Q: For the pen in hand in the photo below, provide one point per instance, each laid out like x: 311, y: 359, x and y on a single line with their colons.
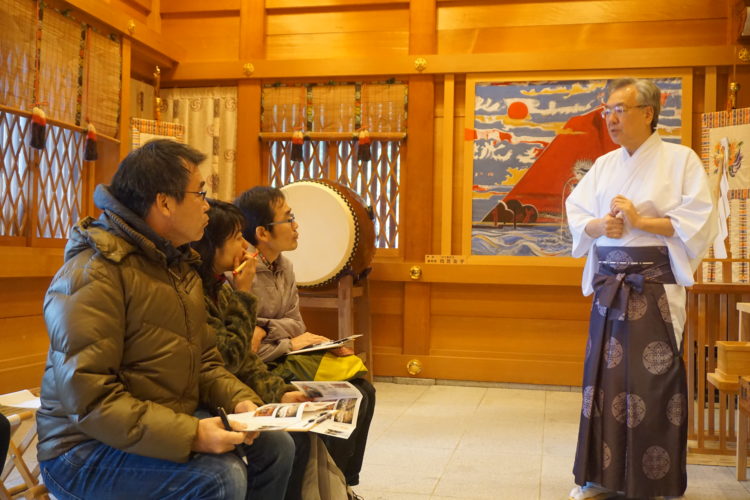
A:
x: 236, y: 271
x: 224, y: 420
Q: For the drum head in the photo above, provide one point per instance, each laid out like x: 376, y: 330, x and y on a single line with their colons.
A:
x: 327, y: 232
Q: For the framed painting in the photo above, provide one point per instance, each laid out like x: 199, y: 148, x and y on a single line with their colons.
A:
x: 725, y: 137
x: 529, y: 142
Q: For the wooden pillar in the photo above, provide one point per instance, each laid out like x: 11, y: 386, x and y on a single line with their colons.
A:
x: 418, y: 176
x: 252, y: 48
x: 125, y: 111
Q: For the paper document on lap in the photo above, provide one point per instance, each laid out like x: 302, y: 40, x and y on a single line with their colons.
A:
x: 333, y: 344
x: 332, y: 411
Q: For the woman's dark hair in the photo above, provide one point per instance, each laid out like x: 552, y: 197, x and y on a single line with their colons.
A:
x: 159, y: 166
x: 224, y: 219
x: 257, y: 206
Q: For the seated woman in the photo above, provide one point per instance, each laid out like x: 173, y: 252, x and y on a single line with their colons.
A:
x: 231, y: 313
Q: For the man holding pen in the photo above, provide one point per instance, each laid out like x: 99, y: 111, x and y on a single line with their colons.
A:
x: 131, y: 358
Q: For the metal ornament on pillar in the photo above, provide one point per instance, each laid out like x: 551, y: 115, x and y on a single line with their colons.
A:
x: 414, y: 367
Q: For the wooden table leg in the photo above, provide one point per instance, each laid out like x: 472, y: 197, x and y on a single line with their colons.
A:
x: 741, y: 445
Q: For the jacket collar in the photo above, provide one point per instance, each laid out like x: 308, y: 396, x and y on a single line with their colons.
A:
x: 132, y: 231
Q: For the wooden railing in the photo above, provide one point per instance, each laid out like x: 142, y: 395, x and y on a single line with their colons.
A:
x: 712, y: 316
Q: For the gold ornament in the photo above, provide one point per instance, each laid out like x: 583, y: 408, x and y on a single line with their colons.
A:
x: 414, y: 367
x: 420, y: 64
x: 415, y: 272
x: 248, y: 69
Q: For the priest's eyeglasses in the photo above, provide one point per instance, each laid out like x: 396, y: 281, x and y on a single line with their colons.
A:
x: 202, y: 194
x: 619, y: 109
x: 285, y: 221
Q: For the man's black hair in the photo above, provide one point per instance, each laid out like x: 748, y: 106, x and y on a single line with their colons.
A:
x: 257, y: 206
x: 159, y: 166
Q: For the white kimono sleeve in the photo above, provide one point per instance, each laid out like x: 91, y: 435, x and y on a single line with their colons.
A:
x: 694, y: 219
x: 581, y: 208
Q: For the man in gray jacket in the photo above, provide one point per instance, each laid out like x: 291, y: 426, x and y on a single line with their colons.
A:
x: 131, y: 357
x: 271, y: 228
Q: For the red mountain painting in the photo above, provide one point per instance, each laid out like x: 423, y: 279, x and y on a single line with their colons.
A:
x: 543, y: 185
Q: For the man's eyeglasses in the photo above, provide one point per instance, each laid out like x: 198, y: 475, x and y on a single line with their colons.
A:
x: 285, y: 221
x: 202, y: 194
x: 619, y: 109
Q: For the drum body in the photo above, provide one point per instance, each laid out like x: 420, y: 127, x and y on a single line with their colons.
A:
x: 336, y: 232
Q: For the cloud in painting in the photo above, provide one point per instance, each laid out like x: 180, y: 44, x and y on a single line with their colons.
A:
x: 513, y: 175
x: 529, y: 156
x: 489, y: 150
x: 574, y: 89
x: 487, y: 104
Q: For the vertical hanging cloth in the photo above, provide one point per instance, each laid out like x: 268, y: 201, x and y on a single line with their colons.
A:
x: 89, y: 152
x: 363, y: 148
x: 298, y: 139
x: 38, y: 128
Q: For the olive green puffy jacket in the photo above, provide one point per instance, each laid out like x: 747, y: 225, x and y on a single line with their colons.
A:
x: 130, y: 357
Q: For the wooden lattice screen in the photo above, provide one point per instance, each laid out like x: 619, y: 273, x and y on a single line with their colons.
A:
x: 15, y: 175
x: 42, y: 193
x: 53, y: 60
x: 331, y: 116
x: 377, y: 181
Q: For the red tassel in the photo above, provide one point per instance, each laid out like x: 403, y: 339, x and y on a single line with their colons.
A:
x: 90, y: 153
x: 298, y: 139
x: 38, y: 128
x: 363, y: 148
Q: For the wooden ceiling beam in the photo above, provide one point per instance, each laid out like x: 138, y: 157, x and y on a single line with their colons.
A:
x: 667, y: 57
x: 136, y: 30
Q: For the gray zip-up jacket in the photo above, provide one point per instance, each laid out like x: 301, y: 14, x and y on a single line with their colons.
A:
x: 278, y: 308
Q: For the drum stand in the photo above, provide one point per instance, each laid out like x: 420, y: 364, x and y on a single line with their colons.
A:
x: 352, y: 303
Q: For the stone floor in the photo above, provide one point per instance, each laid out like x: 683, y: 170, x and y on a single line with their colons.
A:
x: 431, y: 441
x: 448, y: 442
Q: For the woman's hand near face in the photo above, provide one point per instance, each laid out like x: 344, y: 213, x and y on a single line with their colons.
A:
x: 243, y: 279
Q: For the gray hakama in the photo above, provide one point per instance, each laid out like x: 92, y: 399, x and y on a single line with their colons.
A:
x: 633, y: 431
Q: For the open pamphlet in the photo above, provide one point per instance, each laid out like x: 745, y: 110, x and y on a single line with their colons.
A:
x: 331, y: 344
x: 332, y: 411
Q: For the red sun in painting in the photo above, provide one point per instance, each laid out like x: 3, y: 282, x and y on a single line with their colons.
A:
x: 518, y: 111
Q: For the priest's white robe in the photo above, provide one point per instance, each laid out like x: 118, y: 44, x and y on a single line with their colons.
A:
x: 662, y: 180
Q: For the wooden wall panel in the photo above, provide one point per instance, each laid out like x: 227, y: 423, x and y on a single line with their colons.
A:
x: 485, y: 14
x: 338, y: 21
x: 583, y: 36
x: 172, y: 7
x: 337, y: 45
x: 205, y: 38
x: 22, y: 296
x: 510, y: 301
x: 23, y: 335
x: 361, y: 31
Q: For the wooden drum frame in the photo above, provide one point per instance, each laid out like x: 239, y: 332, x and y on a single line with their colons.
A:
x: 336, y: 232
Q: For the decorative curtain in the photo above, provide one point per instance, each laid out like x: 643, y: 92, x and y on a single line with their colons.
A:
x: 60, y: 67
x: 333, y: 108
x: 340, y: 107
x: 101, y: 103
x: 209, y: 116
x: 331, y: 115
x: 17, y: 52
x: 384, y: 107
x: 283, y: 108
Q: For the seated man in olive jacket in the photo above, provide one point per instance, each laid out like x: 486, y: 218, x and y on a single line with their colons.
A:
x: 131, y: 358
